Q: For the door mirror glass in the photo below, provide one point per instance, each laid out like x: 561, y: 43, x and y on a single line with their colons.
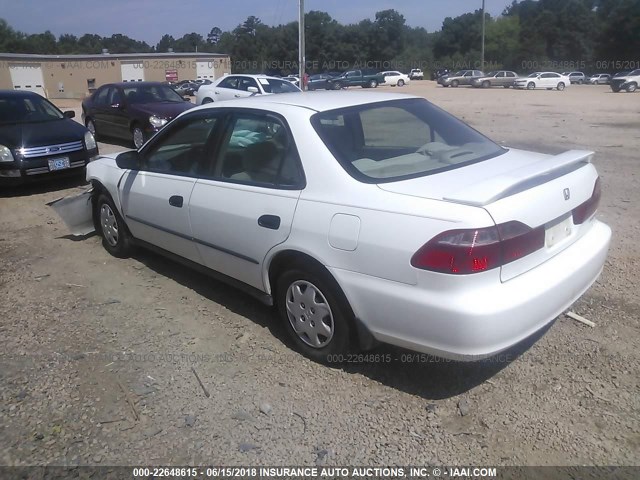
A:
x: 128, y: 160
x: 253, y: 89
x: 69, y: 114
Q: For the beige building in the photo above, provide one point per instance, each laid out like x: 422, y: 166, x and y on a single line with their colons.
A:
x: 76, y: 76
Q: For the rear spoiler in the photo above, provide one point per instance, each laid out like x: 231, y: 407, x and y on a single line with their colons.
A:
x: 521, y: 179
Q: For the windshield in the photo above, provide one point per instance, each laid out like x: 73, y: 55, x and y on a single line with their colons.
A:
x: 400, y: 139
x: 635, y: 73
x: 270, y: 85
x: 533, y: 75
x: 151, y: 94
x: 27, y: 110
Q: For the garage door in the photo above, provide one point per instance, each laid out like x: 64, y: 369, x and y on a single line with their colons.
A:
x: 132, y: 71
x: 205, y: 70
x: 27, y: 76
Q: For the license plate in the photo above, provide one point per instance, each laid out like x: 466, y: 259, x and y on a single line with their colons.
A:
x: 554, y: 234
x: 59, y: 163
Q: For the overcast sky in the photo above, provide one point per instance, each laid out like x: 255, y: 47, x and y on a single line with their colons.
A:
x: 148, y: 20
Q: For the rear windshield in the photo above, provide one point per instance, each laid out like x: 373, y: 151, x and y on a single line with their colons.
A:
x: 400, y: 139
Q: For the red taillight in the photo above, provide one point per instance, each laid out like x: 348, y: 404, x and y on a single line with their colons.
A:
x: 583, y: 212
x: 478, y: 250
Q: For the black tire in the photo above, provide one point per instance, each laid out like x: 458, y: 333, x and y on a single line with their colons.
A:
x: 116, y: 238
x: 561, y: 86
x: 91, y: 126
x: 615, y: 88
x: 337, y: 86
x: 531, y: 86
x: 206, y: 100
x: 455, y: 84
x: 632, y: 87
x: 400, y: 83
x: 373, y: 83
x: 338, y: 321
x: 506, y: 86
x: 486, y: 84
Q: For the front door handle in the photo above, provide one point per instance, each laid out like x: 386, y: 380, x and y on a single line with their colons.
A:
x: 176, y: 201
x: 271, y: 222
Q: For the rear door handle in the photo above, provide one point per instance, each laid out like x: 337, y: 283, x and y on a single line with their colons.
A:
x: 176, y: 201
x: 271, y: 222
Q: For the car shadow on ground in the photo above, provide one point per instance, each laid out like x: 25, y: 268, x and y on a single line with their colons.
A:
x: 44, y: 186
x: 422, y: 375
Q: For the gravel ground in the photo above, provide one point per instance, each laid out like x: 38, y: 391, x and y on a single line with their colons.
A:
x: 98, y: 354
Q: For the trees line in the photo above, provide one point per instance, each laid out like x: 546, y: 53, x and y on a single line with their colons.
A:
x: 602, y: 35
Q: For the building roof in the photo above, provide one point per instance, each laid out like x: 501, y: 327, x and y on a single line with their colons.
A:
x: 105, y: 56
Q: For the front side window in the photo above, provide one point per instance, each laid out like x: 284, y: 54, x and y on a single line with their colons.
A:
x: 138, y: 94
x: 101, y: 96
x: 259, y: 150
x: 390, y: 141
x: 183, y: 149
x: 271, y: 85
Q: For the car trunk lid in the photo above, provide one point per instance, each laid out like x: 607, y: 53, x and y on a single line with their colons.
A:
x: 534, y: 189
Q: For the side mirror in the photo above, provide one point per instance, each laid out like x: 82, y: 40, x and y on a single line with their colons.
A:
x: 69, y: 114
x: 129, y: 160
x: 253, y: 90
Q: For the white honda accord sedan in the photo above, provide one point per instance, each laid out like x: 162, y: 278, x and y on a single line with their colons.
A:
x: 363, y: 217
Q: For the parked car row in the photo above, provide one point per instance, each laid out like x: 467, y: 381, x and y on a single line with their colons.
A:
x: 627, y: 81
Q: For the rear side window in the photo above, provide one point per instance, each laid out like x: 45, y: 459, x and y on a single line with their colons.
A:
x: 400, y: 139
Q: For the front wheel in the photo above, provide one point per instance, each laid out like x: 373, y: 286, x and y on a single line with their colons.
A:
x: 632, y: 87
x: 138, y: 136
x: 91, y: 126
x: 401, y: 83
x: 455, y: 84
x: 314, y: 314
x: 561, y: 86
x: 337, y: 86
x: 486, y: 84
x: 531, y: 86
x: 506, y: 86
x: 116, y: 239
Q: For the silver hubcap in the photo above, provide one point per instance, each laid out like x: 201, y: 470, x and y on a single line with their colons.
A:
x: 109, y: 225
x: 309, y: 314
x: 138, y: 138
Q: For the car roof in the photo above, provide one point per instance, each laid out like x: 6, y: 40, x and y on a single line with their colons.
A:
x: 255, y: 76
x: 316, y: 101
x: 137, y: 84
x: 18, y: 94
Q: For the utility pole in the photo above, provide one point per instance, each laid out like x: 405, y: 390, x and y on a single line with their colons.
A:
x: 301, y: 53
x: 482, y: 59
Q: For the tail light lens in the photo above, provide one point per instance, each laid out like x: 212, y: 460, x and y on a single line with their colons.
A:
x: 583, y: 212
x: 477, y: 250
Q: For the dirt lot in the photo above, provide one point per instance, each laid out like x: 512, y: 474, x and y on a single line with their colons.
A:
x: 97, y: 353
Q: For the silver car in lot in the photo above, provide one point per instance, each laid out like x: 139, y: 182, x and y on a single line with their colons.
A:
x: 463, y: 77
x: 499, y: 78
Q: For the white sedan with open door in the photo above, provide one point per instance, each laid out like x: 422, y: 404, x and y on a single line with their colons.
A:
x: 363, y: 217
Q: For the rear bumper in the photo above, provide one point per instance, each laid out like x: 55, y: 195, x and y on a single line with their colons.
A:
x: 474, y: 318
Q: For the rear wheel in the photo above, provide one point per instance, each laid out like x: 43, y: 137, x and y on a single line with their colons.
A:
x: 206, y: 100
x: 531, y: 86
x: 486, y: 84
x: 506, y: 86
x: 561, y: 86
x: 315, y: 316
x: 373, y: 83
x: 116, y: 239
x: 455, y: 83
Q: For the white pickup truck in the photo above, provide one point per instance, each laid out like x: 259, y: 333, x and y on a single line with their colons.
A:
x: 416, y: 74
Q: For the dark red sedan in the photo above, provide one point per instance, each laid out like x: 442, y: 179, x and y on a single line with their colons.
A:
x: 132, y: 110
